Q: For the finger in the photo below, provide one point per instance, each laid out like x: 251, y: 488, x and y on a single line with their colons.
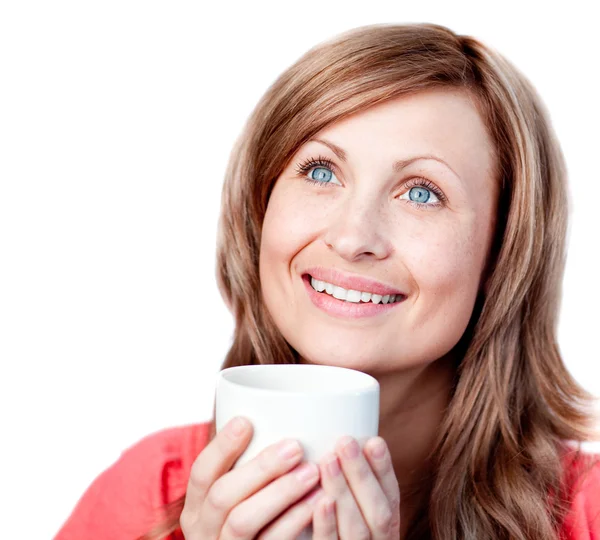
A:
x: 350, y: 522
x: 251, y: 515
x: 214, y: 461
x: 378, y: 456
x: 293, y: 521
x: 324, y: 520
x: 366, y: 488
x: 239, y: 484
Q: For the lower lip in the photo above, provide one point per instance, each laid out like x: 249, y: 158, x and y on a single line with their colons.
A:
x: 341, y: 308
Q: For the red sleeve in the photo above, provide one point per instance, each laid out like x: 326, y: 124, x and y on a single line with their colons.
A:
x: 127, y: 499
x: 583, y: 520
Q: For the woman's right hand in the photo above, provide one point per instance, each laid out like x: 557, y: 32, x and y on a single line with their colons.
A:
x: 237, y: 504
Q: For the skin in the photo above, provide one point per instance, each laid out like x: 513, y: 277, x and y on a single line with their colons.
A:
x: 363, y: 223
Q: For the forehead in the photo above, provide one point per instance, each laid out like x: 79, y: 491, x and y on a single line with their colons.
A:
x: 444, y: 122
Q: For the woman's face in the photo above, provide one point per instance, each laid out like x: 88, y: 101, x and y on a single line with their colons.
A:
x: 377, y: 215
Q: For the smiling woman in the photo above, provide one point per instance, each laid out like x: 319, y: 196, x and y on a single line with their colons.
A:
x: 396, y: 204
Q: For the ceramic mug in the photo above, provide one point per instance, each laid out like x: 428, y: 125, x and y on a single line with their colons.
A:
x: 315, y: 404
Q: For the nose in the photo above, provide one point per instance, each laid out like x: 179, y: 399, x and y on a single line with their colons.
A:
x: 358, y: 230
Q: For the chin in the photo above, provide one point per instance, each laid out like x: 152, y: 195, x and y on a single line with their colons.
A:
x: 338, y: 358
x: 373, y: 361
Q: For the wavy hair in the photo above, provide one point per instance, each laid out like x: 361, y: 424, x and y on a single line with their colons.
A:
x: 515, y: 408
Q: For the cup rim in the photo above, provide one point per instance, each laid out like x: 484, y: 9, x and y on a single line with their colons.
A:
x: 370, y: 383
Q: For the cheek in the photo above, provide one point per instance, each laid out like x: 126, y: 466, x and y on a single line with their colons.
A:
x: 278, y: 232
x: 446, y: 263
x: 443, y: 258
x: 290, y: 223
x: 285, y: 231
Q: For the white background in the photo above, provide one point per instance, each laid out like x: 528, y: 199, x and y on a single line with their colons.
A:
x: 116, y: 122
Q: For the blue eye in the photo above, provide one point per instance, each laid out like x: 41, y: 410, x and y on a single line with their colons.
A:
x: 323, y: 174
x: 318, y: 171
x: 419, y: 194
x: 423, y: 193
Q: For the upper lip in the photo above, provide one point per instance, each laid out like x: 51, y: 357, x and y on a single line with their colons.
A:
x: 351, y: 281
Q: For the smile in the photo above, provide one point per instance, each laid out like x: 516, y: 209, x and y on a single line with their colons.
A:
x: 352, y: 295
x: 347, y: 307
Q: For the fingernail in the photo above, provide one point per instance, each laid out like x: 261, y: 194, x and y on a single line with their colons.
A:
x: 289, y: 449
x: 307, y: 472
x: 237, y: 426
x: 351, y: 449
x: 332, y: 466
x: 378, y: 449
x: 315, y: 496
x: 328, y: 506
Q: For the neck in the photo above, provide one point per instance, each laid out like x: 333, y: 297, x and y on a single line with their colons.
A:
x: 412, y: 405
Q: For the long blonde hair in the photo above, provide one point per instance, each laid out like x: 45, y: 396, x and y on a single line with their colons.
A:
x: 514, y: 408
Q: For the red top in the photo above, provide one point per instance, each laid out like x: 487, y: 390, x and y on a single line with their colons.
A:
x: 126, y: 500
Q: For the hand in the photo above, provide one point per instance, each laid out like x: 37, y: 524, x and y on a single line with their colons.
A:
x: 362, y: 497
x: 224, y: 504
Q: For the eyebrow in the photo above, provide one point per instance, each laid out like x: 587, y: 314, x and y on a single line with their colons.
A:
x: 397, y: 166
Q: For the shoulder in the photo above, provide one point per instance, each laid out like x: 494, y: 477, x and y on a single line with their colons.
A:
x: 172, y: 446
x: 165, y: 458
x: 130, y: 495
x: 582, y: 474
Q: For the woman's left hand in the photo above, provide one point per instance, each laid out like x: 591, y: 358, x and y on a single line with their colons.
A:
x: 362, y: 497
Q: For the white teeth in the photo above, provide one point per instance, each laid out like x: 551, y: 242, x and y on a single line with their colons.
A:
x: 351, y: 295
x: 317, y: 285
x: 339, y: 293
x: 354, y: 296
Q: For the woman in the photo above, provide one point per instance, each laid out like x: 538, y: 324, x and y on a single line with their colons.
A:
x: 409, y: 165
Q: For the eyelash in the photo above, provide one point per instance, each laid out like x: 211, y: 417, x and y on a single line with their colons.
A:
x: 305, y: 167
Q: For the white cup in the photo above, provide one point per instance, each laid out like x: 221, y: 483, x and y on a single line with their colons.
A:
x: 311, y: 403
